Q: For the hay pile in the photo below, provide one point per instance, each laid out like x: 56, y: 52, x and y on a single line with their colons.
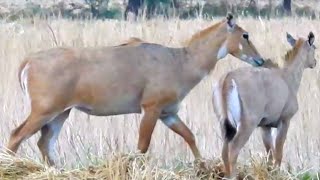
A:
x: 132, y: 166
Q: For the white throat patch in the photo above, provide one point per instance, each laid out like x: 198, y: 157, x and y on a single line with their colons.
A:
x: 240, y: 47
x: 223, y: 51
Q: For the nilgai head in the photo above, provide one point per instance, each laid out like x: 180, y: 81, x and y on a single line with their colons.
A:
x: 305, y: 46
x: 238, y: 44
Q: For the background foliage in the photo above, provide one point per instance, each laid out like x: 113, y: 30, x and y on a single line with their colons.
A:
x: 103, y: 9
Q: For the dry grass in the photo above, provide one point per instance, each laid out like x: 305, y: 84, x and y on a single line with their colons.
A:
x: 88, y: 140
x: 133, y: 166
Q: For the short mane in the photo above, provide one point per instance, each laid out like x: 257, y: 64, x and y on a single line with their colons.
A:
x: 132, y: 41
x: 291, y: 54
x: 204, y: 33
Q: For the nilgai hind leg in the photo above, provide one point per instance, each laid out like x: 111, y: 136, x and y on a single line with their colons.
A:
x: 238, y: 141
x: 174, y: 122
x: 266, y: 133
x: 49, y: 136
x: 280, y: 139
x: 30, y: 126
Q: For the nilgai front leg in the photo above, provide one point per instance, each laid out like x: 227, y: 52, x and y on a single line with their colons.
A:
x: 152, y: 104
x: 148, y: 122
x: 174, y: 122
x: 244, y: 131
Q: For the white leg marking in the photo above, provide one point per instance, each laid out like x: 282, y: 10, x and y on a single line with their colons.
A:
x: 24, y: 80
x: 234, y: 106
x: 56, y: 128
x: 169, y: 121
x: 223, y: 51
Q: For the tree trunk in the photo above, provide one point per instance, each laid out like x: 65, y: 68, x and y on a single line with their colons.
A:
x: 287, y: 6
x: 94, y: 11
x: 175, y: 4
x: 133, y: 6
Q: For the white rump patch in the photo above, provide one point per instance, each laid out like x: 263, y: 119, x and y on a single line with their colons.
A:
x: 234, y: 106
x: 24, y: 80
x: 223, y: 51
x: 217, y: 100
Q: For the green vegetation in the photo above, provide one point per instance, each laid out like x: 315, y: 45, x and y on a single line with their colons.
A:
x: 103, y: 9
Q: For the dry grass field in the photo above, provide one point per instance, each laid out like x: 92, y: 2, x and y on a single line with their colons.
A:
x: 92, y: 141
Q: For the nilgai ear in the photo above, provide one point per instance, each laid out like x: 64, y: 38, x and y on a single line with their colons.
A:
x: 311, y: 38
x: 230, y: 20
x: 291, y: 40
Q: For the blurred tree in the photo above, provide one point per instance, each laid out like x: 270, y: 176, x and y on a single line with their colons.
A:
x: 94, y: 6
x: 133, y: 6
x: 287, y: 6
x: 151, y: 6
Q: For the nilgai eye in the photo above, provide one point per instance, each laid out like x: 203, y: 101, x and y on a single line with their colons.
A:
x: 246, y: 36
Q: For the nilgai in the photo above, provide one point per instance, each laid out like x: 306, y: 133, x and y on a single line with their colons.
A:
x: 249, y: 97
x: 103, y: 81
